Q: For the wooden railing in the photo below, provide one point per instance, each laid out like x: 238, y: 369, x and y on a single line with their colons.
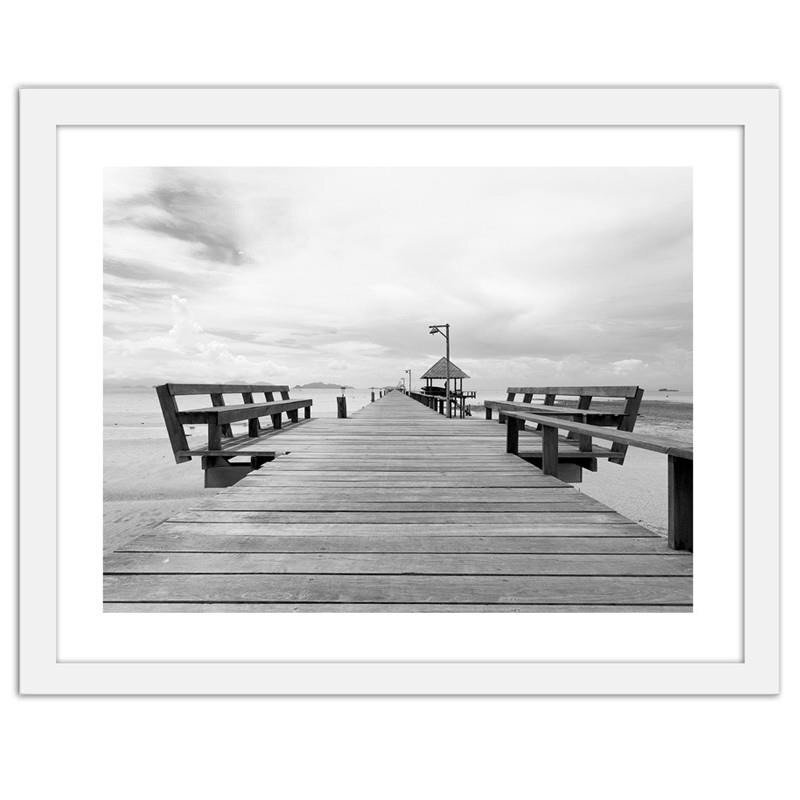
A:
x: 680, y: 462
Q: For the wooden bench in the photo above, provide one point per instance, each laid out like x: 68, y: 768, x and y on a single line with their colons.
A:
x: 680, y: 467
x: 573, y: 458
x: 222, y: 446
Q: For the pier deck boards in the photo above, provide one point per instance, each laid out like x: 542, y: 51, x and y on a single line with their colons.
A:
x: 398, y: 509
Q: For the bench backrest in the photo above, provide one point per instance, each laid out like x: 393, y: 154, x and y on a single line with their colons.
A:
x: 622, y: 421
x: 168, y: 392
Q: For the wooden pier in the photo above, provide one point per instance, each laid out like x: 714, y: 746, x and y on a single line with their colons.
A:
x: 398, y: 509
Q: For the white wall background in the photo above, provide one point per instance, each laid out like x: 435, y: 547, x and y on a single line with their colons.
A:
x: 598, y: 747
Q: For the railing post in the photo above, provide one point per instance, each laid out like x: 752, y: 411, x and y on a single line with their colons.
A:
x: 549, y: 450
x: 680, y: 481
x: 512, y: 435
x: 341, y: 407
x: 373, y: 397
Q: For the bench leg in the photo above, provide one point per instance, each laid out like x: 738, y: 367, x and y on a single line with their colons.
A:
x: 276, y: 421
x: 680, y: 480
x: 292, y: 415
x: 214, y: 436
x: 512, y: 436
x: 549, y: 450
x: 488, y: 413
x: 307, y: 412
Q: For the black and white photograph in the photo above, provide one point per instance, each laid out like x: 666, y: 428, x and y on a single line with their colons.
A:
x: 397, y: 389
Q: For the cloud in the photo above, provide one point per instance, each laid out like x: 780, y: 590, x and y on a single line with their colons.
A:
x: 185, y: 352
x: 628, y: 365
x: 577, y: 273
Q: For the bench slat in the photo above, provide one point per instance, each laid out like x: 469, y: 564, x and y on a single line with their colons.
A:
x: 576, y: 391
x: 533, y: 408
x: 237, y: 413
x: 180, y: 389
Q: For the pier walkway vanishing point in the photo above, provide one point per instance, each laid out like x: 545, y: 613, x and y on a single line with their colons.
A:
x: 398, y: 509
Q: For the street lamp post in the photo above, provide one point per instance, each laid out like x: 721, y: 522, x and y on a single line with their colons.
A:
x: 446, y: 334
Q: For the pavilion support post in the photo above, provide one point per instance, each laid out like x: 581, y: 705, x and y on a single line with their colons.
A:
x: 680, y: 482
x: 447, y: 370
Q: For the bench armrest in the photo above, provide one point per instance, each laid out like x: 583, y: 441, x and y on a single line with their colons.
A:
x: 658, y: 444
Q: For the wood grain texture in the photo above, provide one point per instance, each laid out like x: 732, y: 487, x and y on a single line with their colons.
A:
x: 396, y: 508
x: 396, y: 608
x: 398, y: 589
x: 396, y: 564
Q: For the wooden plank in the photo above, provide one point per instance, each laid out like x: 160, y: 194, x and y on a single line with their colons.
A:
x: 391, y: 543
x: 399, y: 588
x: 555, y: 525
x: 570, y: 503
x: 423, y: 493
x: 435, y: 608
x: 395, y: 564
x: 567, y: 514
x: 263, y: 480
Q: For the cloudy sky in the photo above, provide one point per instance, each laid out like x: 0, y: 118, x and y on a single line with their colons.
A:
x: 291, y: 275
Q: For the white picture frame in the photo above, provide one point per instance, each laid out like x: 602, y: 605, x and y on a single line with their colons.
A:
x: 44, y: 110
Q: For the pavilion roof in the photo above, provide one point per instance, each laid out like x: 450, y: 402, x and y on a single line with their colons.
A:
x: 439, y: 370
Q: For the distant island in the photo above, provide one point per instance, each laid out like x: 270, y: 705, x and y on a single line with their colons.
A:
x: 669, y: 390
x: 320, y: 385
